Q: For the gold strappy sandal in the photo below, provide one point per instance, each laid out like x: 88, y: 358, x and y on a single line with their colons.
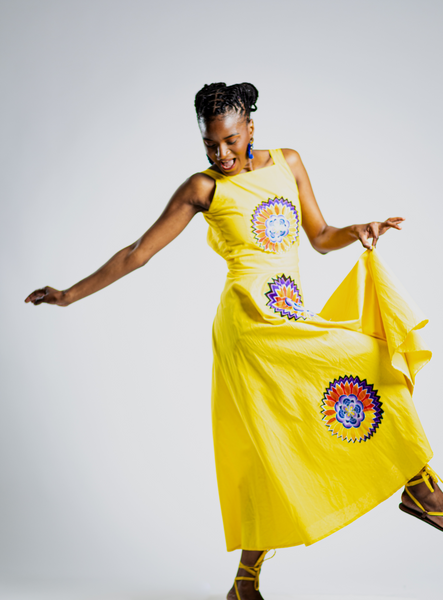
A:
x: 255, y: 571
x: 427, y: 475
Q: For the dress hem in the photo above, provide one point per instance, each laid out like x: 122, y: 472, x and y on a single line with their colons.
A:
x: 322, y: 537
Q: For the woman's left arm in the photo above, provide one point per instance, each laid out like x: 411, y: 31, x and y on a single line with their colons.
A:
x: 322, y: 236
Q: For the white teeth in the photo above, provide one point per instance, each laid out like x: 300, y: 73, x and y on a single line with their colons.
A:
x: 227, y: 164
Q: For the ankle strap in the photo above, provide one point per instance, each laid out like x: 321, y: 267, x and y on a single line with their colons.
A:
x: 255, y: 570
x: 426, y: 474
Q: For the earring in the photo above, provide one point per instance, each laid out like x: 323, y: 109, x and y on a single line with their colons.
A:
x: 250, y: 146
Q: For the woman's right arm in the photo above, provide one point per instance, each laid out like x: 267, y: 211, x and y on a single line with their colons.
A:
x: 193, y: 196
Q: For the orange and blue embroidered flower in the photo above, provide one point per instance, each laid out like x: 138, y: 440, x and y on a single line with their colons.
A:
x: 284, y: 297
x: 275, y: 225
x: 351, y: 409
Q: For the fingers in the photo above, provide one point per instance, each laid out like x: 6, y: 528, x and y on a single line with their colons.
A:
x: 394, y: 222
x: 375, y: 229
x: 371, y: 232
x: 40, y: 301
x: 37, y: 296
x: 374, y: 233
x: 364, y: 239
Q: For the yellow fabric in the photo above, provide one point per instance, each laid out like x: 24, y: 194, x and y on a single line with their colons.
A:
x: 288, y: 384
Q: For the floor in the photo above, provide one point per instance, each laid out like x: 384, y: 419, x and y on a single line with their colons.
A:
x: 27, y: 593
x: 304, y: 597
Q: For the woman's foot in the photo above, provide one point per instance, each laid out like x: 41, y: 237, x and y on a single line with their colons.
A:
x: 246, y: 589
x: 431, y: 501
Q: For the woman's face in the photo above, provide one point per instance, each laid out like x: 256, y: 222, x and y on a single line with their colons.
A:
x: 226, y: 138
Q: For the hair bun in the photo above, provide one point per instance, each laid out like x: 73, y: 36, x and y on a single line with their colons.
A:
x: 251, y: 92
x: 218, y: 98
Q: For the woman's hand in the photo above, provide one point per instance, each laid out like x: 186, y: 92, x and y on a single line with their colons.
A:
x: 374, y: 230
x: 48, y: 295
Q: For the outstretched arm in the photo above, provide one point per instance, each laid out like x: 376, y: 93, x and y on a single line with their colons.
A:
x: 193, y: 196
x: 324, y: 237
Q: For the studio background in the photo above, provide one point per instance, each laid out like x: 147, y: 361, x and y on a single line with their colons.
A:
x: 106, y: 462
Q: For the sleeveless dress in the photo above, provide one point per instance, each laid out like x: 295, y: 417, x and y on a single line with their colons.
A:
x: 313, y: 418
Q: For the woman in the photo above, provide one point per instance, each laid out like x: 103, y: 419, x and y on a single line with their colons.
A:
x: 293, y: 392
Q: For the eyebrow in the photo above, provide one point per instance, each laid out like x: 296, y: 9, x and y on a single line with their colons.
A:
x: 226, y: 138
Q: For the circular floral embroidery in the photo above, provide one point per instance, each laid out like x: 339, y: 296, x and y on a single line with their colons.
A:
x: 284, y: 297
x: 275, y: 225
x: 351, y: 409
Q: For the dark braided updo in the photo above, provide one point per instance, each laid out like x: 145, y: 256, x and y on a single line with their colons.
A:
x: 219, y: 99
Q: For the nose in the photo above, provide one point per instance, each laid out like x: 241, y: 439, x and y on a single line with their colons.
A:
x: 222, y: 152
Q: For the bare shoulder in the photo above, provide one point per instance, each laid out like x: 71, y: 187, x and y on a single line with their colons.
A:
x: 296, y: 165
x: 292, y: 157
x: 198, y: 190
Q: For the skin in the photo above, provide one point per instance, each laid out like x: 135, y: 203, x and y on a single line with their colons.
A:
x: 225, y: 139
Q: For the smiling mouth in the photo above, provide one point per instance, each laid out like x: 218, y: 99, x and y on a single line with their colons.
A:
x: 227, y: 165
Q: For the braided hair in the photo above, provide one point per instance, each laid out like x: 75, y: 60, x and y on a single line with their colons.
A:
x: 218, y: 99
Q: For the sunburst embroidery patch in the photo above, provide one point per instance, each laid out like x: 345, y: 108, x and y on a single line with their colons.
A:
x: 275, y: 225
x: 284, y: 297
x: 351, y: 409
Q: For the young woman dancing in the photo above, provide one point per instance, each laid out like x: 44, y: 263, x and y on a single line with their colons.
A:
x: 313, y: 418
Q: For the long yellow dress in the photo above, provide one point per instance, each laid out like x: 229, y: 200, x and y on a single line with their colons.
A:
x: 313, y: 418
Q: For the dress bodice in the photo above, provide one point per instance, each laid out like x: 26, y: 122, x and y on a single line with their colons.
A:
x: 255, y: 218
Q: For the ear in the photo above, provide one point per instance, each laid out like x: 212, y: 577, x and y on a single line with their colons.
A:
x: 251, y: 127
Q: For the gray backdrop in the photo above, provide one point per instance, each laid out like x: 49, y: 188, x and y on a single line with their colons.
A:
x: 106, y: 462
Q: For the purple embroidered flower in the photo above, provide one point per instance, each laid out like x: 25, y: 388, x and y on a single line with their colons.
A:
x: 284, y: 297
x: 350, y: 411
x: 275, y: 225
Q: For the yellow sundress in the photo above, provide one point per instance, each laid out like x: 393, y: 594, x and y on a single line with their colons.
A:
x: 313, y: 418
